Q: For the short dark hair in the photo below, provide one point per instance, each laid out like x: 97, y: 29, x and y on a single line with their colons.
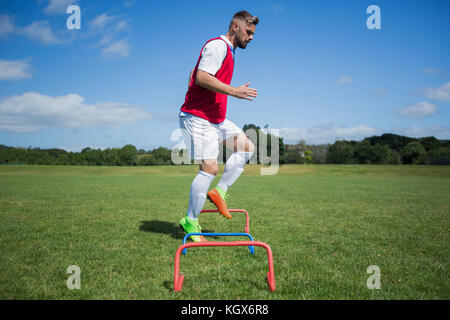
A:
x: 244, y: 16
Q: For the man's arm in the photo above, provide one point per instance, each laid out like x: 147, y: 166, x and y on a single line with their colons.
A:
x: 208, y: 81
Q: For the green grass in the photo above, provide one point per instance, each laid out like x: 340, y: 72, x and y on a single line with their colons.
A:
x: 325, y: 225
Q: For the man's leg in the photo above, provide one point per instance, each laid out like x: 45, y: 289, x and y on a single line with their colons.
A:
x: 199, y: 188
x: 201, y: 137
x: 243, y: 151
x: 197, y: 197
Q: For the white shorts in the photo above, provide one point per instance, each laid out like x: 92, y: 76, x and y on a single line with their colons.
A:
x: 203, y: 138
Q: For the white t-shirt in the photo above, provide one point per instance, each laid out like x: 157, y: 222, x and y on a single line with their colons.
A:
x: 214, y: 54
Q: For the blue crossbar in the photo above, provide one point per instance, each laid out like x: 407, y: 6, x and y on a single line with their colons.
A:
x: 251, y: 248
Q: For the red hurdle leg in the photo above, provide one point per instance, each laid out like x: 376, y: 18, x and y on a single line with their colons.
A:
x: 178, y: 279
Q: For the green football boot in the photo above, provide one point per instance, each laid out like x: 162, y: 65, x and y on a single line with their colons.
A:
x: 192, y: 226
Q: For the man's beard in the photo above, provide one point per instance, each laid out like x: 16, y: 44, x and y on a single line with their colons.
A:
x: 240, y: 43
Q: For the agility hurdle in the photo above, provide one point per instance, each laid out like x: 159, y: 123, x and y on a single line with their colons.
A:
x: 252, y: 251
x: 247, y: 222
x: 178, y: 279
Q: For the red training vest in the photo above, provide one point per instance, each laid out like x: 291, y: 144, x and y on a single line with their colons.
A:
x: 205, y: 103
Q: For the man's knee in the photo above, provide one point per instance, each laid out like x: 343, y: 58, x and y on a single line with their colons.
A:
x: 214, y: 169
x: 243, y: 144
x: 209, y: 166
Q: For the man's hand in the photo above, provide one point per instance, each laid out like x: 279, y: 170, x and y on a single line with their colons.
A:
x: 244, y: 92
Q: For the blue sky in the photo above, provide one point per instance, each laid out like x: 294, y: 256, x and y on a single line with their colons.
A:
x: 320, y: 72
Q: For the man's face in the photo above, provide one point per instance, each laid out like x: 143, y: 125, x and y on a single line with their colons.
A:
x: 244, y: 34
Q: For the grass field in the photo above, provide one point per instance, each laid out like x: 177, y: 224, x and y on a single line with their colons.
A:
x: 325, y: 225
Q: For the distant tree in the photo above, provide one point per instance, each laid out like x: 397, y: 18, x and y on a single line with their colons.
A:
x: 439, y: 156
x: 413, y: 153
x: 56, y: 153
x: 393, y: 141
x: 146, y: 160
x: 429, y: 143
x: 308, y: 156
x: 319, y: 152
x: 340, y: 152
x: 92, y: 157
x: 298, y: 153
x: 128, y: 155
x: 364, y: 153
x: 290, y: 157
x: 162, y: 156
x: 38, y: 156
x: 302, y: 146
x: 112, y: 157
x: 393, y: 157
x: 6, y: 154
x: 250, y: 126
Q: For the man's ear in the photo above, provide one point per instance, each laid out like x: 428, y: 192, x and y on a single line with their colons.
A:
x: 235, y: 26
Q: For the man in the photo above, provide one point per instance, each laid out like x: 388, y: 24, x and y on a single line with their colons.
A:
x: 203, y: 119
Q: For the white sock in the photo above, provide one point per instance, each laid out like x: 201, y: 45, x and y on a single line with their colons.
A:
x: 233, y: 169
x: 197, y: 197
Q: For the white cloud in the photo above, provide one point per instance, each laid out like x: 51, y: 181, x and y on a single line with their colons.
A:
x: 441, y: 93
x: 109, y: 29
x: 14, y: 69
x: 122, y: 25
x: 41, y: 31
x: 326, y: 133
x: 120, y: 48
x: 440, y: 132
x: 58, y: 6
x: 420, y: 110
x: 105, y: 40
x: 344, y: 80
x: 6, y: 25
x: 101, y: 21
x: 107, y: 23
x: 32, y: 112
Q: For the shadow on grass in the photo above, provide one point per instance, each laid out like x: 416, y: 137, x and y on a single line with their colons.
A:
x: 165, y: 227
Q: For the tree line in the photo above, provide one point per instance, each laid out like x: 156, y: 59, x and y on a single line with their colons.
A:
x: 390, y: 149
x: 126, y: 156
x: 384, y: 149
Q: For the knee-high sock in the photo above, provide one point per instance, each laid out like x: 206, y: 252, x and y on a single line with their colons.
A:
x: 197, y: 197
x: 233, y: 169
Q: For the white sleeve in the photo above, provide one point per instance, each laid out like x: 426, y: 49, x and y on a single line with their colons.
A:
x: 213, y: 55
